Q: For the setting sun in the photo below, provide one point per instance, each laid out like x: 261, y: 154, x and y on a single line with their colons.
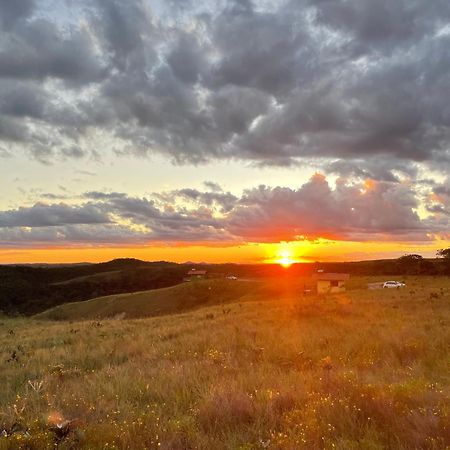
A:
x: 286, y: 253
x: 285, y: 258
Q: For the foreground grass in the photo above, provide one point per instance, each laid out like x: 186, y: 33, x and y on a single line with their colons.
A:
x: 363, y: 370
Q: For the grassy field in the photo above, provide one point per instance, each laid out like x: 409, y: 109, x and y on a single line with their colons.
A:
x: 155, y: 302
x: 360, y: 370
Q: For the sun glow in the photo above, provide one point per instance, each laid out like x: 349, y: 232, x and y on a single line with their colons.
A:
x: 287, y: 253
x: 285, y: 258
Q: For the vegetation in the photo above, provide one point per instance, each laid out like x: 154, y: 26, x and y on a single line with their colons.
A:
x: 27, y: 290
x: 445, y: 255
x: 154, y: 302
x: 360, y: 370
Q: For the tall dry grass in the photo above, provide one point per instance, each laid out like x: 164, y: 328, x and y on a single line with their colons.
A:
x: 362, y: 370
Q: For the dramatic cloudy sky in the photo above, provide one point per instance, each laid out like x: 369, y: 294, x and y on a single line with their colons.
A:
x: 214, y: 129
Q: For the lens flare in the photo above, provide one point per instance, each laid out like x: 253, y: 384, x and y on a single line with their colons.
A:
x: 285, y: 258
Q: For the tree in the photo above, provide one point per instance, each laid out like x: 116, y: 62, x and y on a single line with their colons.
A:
x: 410, y: 264
x: 443, y: 253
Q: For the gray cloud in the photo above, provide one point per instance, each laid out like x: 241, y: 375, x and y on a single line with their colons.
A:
x: 11, y: 130
x: 11, y: 12
x: 382, y: 24
x: 214, y: 197
x: 43, y: 215
x: 186, y: 58
x: 373, y: 168
x: 212, y: 186
x: 73, y: 152
x: 51, y: 196
x: 349, y: 212
x: 97, y: 195
x: 21, y: 100
x: 128, y: 32
x: 70, y: 235
x: 4, y: 153
x: 438, y: 203
x: 38, y: 49
x: 262, y: 50
x: 341, y: 83
x: 363, y: 211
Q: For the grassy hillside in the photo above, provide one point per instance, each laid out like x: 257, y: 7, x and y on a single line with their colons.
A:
x: 192, y: 295
x: 361, y: 370
x: 154, y: 302
x: 32, y: 289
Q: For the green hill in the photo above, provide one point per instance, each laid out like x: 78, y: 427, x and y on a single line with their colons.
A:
x: 32, y: 289
x: 155, y: 302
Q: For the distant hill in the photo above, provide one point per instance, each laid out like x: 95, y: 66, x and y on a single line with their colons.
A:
x: 155, y: 302
x: 29, y: 290
x: 49, y: 265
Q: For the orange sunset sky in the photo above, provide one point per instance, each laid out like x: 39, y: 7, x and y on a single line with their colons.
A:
x: 230, y: 131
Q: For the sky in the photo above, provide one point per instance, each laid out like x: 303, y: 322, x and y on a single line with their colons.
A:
x: 223, y: 130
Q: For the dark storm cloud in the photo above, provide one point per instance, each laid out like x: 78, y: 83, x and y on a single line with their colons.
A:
x: 340, y: 83
x: 382, y: 23
x: 12, y: 11
x: 186, y: 58
x: 261, y: 50
x: 38, y: 49
x: 127, y: 31
x: 21, y: 100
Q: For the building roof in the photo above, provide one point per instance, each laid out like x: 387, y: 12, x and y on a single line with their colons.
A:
x: 332, y: 276
x: 196, y: 272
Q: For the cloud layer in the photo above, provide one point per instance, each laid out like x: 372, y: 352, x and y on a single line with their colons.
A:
x: 357, y: 89
x: 342, y: 82
x: 373, y: 210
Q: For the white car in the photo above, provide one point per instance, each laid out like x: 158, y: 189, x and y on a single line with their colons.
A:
x: 231, y: 277
x: 393, y: 284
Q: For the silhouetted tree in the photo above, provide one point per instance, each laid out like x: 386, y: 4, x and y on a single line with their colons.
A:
x: 444, y: 253
x: 410, y: 264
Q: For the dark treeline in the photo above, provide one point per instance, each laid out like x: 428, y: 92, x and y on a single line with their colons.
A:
x: 29, y: 290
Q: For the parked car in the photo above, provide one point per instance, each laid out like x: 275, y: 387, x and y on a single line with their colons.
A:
x: 393, y: 285
x: 231, y: 277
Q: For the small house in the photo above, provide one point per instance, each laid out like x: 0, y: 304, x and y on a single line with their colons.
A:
x: 330, y: 283
x: 195, y: 274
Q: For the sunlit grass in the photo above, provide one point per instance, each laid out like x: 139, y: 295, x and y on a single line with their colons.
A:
x: 362, y: 370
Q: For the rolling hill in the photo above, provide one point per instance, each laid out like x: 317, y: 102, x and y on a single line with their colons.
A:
x: 26, y: 290
x: 155, y: 302
x: 29, y: 290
